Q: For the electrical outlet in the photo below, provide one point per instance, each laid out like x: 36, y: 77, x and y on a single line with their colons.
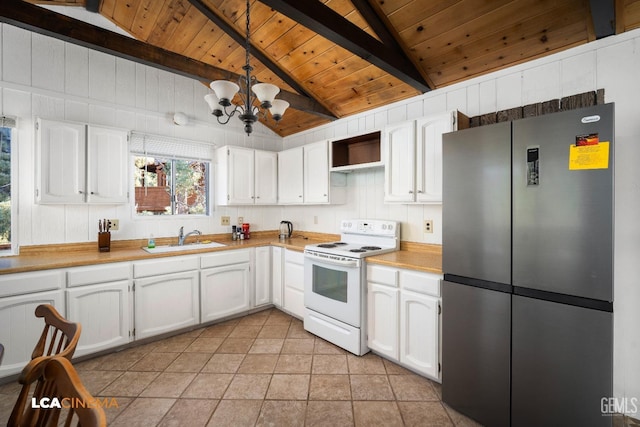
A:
x: 114, y: 224
x: 428, y: 226
x: 240, y: 220
x: 225, y: 220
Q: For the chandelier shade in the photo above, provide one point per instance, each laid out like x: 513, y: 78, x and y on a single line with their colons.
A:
x: 278, y: 107
x: 255, y: 98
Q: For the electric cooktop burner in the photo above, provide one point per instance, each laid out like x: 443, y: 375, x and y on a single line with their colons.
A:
x: 340, y: 243
x: 327, y: 245
x: 371, y: 248
x: 357, y: 250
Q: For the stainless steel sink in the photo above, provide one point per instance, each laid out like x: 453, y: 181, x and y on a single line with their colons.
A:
x: 187, y: 247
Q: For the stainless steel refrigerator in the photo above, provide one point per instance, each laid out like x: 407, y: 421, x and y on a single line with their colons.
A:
x: 528, y: 261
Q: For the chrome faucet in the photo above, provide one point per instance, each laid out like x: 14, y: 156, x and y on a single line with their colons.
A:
x: 182, y: 236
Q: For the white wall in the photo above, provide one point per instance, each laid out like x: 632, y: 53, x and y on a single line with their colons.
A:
x: 612, y: 64
x: 41, y: 76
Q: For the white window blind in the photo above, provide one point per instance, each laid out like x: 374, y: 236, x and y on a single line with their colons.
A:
x: 165, y: 146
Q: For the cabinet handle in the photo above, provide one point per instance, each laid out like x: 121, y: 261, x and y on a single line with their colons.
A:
x: 420, y: 191
x: 257, y: 197
x: 410, y: 191
x: 324, y: 195
x: 80, y: 192
x: 300, y: 196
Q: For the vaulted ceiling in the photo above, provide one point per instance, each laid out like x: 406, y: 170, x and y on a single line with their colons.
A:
x: 334, y: 58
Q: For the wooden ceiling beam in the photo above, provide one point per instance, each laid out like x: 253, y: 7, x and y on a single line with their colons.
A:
x: 239, y: 38
x: 93, y: 5
x: 334, y: 27
x: 603, y: 15
x: 43, y: 21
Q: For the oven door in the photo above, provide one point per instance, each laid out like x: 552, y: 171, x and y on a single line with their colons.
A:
x: 332, y: 286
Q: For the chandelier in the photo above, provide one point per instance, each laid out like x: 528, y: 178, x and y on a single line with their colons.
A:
x: 248, y: 110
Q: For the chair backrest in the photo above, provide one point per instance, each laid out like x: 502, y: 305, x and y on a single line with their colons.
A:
x: 55, y: 377
x: 59, y: 336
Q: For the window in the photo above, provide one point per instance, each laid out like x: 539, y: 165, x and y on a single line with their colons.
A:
x: 165, y: 186
x: 171, y: 176
x: 8, y: 205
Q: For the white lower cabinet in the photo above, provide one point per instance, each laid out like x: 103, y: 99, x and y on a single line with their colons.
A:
x: 166, y: 295
x: 103, y: 312
x: 383, y: 320
x: 293, y: 283
x: 20, y: 329
x: 404, y: 317
x: 277, y: 255
x: 166, y: 303
x: 262, y: 276
x: 225, y: 284
x: 419, y: 332
x: 99, y: 298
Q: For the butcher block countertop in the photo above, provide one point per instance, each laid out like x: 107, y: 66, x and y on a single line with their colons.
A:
x: 414, y: 256
x: 42, y: 257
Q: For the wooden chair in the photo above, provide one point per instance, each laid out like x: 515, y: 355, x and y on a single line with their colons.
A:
x: 55, y: 377
x: 59, y: 336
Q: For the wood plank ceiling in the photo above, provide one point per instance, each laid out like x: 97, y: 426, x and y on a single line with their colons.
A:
x: 336, y: 58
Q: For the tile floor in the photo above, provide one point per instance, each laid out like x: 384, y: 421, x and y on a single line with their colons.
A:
x: 263, y: 369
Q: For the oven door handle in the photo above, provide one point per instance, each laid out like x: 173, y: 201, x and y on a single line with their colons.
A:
x: 327, y: 259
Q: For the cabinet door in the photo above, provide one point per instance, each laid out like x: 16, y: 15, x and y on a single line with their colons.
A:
x: 60, y: 162
x: 399, y: 183
x: 107, y: 165
x: 266, y: 177
x: 429, y: 156
x: 382, y: 320
x: 20, y: 328
x: 262, y: 280
x: 290, y: 165
x: 294, y: 283
x: 419, y: 346
x: 276, y: 276
x: 316, y: 173
x: 240, y: 175
x: 224, y: 291
x: 103, y: 311
x: 165, y: 303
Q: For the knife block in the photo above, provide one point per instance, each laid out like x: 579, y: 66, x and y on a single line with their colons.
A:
x: 104, y: 241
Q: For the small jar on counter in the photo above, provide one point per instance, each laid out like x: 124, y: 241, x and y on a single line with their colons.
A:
x: 234, y: 233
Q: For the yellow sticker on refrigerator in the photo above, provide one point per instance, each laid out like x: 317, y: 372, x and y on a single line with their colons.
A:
x: 589, y: 156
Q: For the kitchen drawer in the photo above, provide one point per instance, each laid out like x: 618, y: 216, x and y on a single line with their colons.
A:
x: 104, y: 273
x: 220, y: 259
x: 423, y: 283
x: 294, y: 257
x: 27, y: 283
x: 382, y: 275
x: 165, y: 266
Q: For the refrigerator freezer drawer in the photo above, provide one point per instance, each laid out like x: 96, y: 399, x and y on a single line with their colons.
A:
x: 562, y: 364
x: 476, y: 352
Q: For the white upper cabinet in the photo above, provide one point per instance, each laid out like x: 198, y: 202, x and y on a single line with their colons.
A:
x: 266, y: 177
x: 77, y: 163
x: 61, y: 150
x: 413, y: 172
x: 107, y: 166
x: 290, y: 171
x: 246, y: 176
x: 316, y: 172
x: 399, y: 183
x: 303, y: 176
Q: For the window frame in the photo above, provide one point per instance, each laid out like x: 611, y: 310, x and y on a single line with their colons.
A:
x: 172, y: 158
x: 14, y: 176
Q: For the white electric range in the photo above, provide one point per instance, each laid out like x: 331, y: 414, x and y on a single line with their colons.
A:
x: 335, y: 282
